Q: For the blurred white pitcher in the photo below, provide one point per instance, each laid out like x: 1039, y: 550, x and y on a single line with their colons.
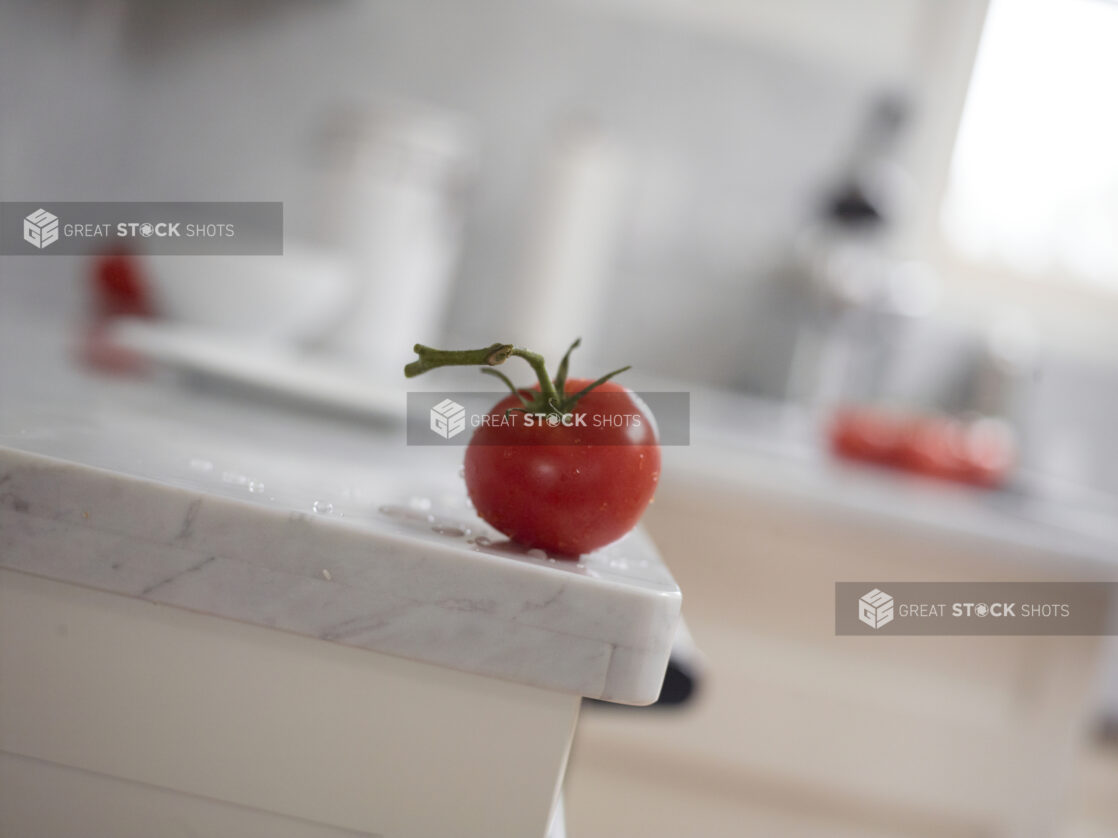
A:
x: 390, y: 204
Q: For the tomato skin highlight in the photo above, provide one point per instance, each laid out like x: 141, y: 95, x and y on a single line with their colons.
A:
x: 566, y: 490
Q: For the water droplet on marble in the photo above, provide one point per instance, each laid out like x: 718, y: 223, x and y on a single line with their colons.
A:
x: 255, y: 487
x: 483, y: 541
x: 447, y: 529
x: 322, y: 507
x: 406, y: 513
x: 537, y: 553
x: 419, y: 503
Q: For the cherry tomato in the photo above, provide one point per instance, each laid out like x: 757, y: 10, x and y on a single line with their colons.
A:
x: 932, y: 445
x: 979, y: 452
x: 568, y: 488
x: 865, y: 434
x: 119, y: 288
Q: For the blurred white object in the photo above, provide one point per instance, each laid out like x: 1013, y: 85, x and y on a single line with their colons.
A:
x: 275, y: 369
x: 276, y: 298
x: 390, y: 204
x: 570, y: 243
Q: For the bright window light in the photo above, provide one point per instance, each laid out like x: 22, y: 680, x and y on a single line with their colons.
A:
x: 1034, y: 179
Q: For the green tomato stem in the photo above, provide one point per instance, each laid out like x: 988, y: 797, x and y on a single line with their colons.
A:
x: 547, y: 387
x: 552, y: 397
x: 430, y: 359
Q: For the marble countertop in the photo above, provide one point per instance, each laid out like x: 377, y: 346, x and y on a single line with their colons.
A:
x: 248, y: 462
x: 330, y: 529
x: 762, y: 448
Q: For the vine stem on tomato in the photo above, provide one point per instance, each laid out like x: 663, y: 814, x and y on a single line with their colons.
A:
x: 567, y: 487
x: 552, y: 397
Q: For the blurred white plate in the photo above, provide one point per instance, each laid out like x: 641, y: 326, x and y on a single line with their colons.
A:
x: 296, y: 296
x: 276, y: 369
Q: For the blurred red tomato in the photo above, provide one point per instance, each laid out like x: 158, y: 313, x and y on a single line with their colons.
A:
x: 978, y: 452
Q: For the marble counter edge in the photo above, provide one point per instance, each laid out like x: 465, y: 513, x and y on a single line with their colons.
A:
x: 333, y: 580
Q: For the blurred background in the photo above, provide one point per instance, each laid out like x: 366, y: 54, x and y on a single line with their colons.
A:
x: 876, y: 240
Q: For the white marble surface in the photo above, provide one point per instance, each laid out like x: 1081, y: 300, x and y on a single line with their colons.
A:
x: 326, y: 529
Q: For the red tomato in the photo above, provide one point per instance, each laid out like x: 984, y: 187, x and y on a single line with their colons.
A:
x: 865, y: 434
x: 933, y: 446
x: 979, y: 452
x: 567, y: 489
x: 119, y: 288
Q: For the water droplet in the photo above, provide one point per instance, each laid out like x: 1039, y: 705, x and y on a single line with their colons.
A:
x: 255, y: 487
x: 483, y: 541
x: 552, y: 560
x: 322, y: 507
x: 447, y: 529
x: 326, y: 575
x: 537, y: 553
x: 419, y: 503
x: 462, y: 472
